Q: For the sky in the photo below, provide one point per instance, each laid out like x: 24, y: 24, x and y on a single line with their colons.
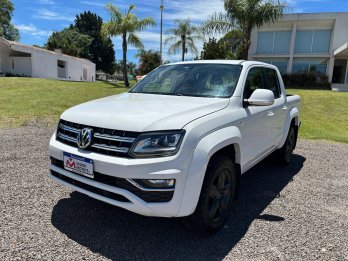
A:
x: 37, y: 19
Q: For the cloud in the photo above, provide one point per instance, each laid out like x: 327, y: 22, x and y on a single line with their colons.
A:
x: 93, y: 3
x: 195, y: 10
x: 103, y: 4
x: 47, y: 14
x: 47, y: 2
x: 32, y: 30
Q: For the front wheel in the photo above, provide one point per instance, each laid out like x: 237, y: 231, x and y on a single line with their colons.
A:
x: 216, y: 197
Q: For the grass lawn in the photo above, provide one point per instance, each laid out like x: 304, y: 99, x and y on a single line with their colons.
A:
x: 28, y: 101
x: 324, y: 114
x: 25, y: 101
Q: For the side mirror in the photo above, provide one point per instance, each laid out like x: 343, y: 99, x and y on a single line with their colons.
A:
x: 260, y: 97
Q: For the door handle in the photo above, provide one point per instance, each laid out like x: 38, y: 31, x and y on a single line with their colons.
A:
x: 284, y: 108
x: 270, y: 114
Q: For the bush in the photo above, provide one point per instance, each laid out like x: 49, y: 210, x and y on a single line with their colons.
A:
x: 8, y: 74
x: 307, y: 81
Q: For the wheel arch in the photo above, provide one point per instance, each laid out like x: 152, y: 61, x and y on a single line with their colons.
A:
x: 232, y: 152
x: 226, y: 141
x: 293, y: 119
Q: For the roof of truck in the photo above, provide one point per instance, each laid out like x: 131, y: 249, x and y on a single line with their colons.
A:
x: 235, y: 62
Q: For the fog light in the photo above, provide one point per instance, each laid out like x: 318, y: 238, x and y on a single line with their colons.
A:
x: 160, y: 182
x: 155, y: 183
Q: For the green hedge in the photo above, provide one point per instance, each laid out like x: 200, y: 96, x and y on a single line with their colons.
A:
x: 306, y: 81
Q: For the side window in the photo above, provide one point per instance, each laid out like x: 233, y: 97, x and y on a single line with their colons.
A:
x: 272, y: 81
x: 253, y: 82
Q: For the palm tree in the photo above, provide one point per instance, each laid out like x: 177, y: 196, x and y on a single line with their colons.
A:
x: 244, y: 15
x: 183, y: 37
x: 126, y: 25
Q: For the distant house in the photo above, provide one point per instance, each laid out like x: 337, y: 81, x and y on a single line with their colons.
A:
x: 302, y: 43
x: 24, y: 60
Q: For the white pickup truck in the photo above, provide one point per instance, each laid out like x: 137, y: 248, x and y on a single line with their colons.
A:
x: 178, y: 142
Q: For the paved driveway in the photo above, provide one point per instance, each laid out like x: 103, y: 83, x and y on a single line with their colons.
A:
x: 298, y: 212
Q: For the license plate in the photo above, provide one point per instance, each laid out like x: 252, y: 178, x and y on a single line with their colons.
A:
x: 79, y: 165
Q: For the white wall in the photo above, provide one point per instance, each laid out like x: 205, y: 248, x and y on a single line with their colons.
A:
x: 340, y: 30
x: 44, y: 66
x: 21, y: 66
x: 5, y: 59
x: 75, y: 70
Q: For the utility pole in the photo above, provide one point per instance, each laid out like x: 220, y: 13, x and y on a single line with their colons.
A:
x: 161, y: 7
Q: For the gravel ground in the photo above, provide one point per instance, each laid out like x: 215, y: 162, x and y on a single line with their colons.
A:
x: 298, y: 212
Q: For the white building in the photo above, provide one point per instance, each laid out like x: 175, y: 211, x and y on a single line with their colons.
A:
x: 297, y: 43
x: 24, y: 60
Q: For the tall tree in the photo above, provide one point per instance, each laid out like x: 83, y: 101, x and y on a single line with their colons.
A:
x: 7, y: 29
x: 148, y: 61
x: 183, y: 38
x: 126, y: 25
x: 101, y: 51
x: 70, y: 41
x: 212, y: 50
x: 244, y: 15
x: 231, y: 43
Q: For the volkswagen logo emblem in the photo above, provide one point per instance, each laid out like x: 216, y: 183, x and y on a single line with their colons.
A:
x: 84, y: 138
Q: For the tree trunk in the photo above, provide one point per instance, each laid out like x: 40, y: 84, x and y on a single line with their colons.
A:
x: 246, y: 45
x: 124, y: 48
x: 183, y: 39
x: 245, y: 52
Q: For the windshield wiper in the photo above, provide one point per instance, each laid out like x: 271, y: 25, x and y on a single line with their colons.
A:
x: 160, y: 93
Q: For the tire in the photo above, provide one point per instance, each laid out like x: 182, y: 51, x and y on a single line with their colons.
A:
x: 217, y: 196
x: 285, y: 153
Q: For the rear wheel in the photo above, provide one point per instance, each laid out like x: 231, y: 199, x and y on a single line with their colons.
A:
x: 286, y: 152
x: 216, y: 197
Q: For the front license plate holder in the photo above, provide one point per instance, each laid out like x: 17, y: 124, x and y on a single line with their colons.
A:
x: 79, y: 165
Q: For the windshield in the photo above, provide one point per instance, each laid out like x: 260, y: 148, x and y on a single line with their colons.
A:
x: 200, y: 80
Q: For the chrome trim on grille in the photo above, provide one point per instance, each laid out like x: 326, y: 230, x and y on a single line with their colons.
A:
x: 68, y: 128
x: 111, y: 148
x: 105, y: 141
x: 66, y: 137
x: 114, y: 138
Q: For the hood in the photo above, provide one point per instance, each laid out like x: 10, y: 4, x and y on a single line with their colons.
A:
x: 143, y: 112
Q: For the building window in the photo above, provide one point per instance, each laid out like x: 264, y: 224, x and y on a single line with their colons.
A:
x: 282, y: 64
x: 315, y: 66
x: 321, y: 41
x: 265, y: 42
x: 61, y: 69
x: 313, y: 41
x: 277, y: 42
x: 282, y: 42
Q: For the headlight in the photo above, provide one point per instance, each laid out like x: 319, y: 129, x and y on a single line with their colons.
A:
x: 157, y: 144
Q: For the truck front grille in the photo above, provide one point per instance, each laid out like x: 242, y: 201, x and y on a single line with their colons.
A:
x: 105, y: 141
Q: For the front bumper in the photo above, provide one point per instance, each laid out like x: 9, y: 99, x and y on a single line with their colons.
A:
x: 111, y: 173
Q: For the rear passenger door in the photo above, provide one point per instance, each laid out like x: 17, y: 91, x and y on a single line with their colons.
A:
x: 279, y: 110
